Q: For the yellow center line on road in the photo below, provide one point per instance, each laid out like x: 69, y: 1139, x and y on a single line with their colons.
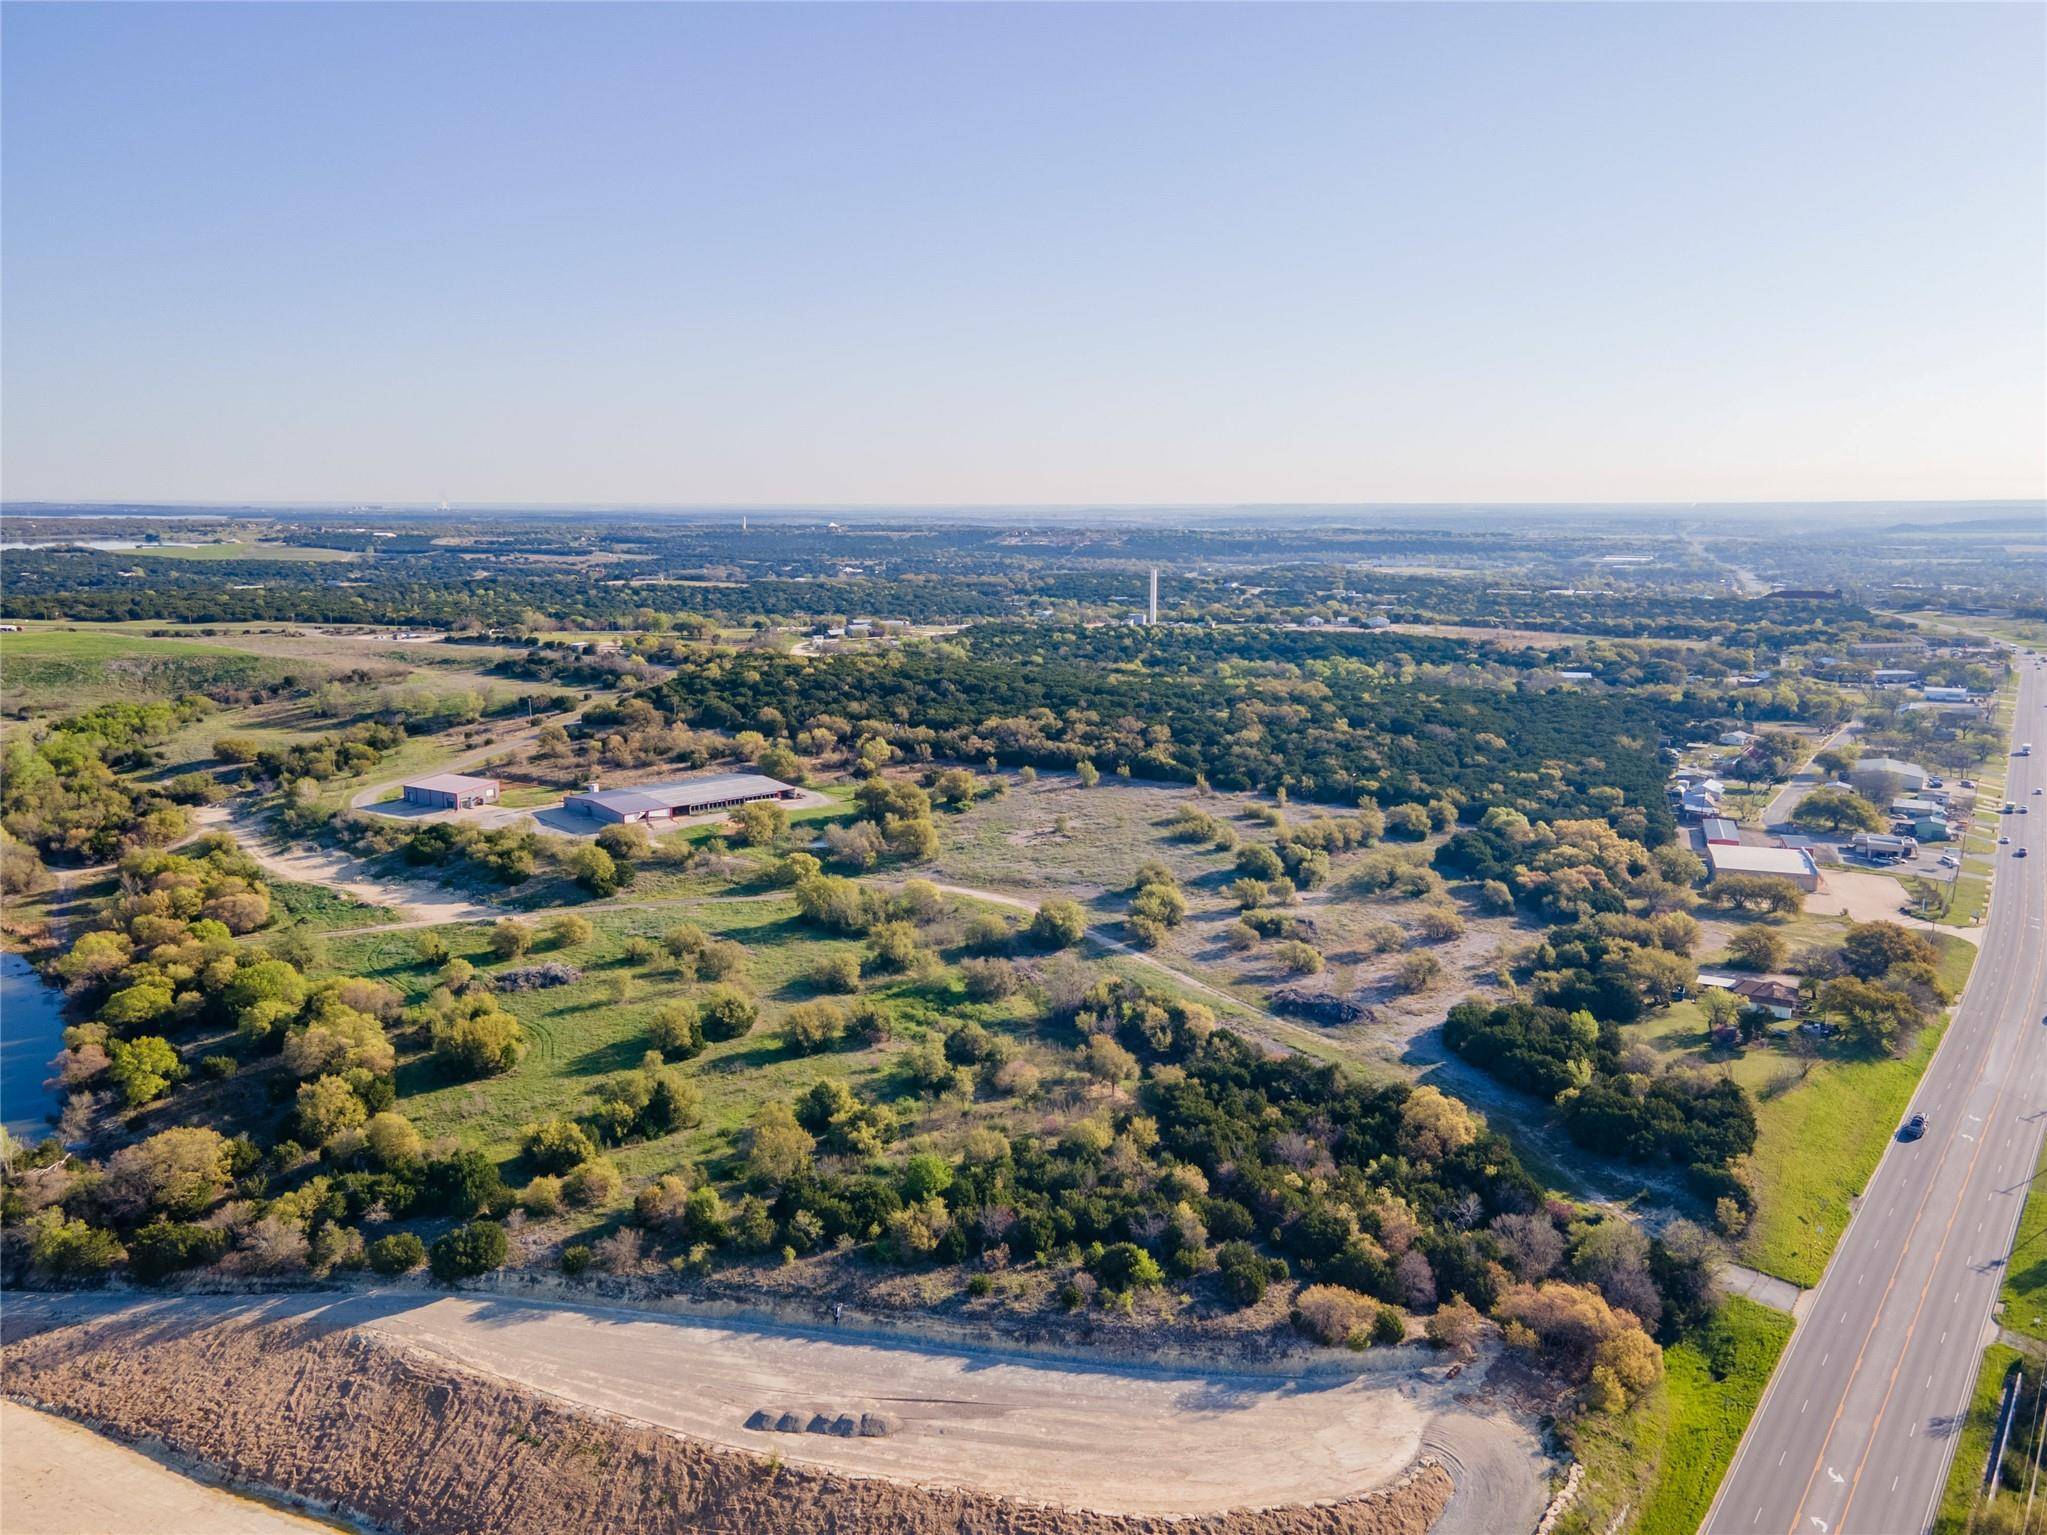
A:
x: 2031, y: 990
x: 1904, y: 1249
x: 1947, y: 1233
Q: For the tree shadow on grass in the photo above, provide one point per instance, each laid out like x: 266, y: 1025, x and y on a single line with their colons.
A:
x: 422, y: 1074
x: 764, y: 1050
x: 616, y: 1055
x: 2032, y: 1277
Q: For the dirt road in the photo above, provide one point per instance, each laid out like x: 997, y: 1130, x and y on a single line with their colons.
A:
x: 1117, y: 1441
x: 1099, y: 1436
x: 59, y: 1479
x: 310, y: 863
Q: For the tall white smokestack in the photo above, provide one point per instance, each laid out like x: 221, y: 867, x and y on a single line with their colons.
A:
x: 1152, y: 611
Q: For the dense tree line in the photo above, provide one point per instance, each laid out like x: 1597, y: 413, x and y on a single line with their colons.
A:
x: 1348, y: 733
x: 66, y: 792
x: 924, y: 573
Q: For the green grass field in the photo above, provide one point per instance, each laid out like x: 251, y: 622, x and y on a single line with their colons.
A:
x: 1850, y: 1106
x: 579, y: 1034
x: 1714, y: 1380
x: 64, y: 668
x: 322, y: 909
x: 1658, y: 1465
x: 2024, y: 1295
x: 1972, y: 1453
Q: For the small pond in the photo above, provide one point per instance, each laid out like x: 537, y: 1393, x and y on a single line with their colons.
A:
x: 31, y: 1032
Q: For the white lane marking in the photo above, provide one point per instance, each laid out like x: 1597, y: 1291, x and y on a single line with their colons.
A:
x: 1804, y: 1404
x: 1835, y: 1476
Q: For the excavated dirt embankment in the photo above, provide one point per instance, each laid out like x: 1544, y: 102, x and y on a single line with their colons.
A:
x: 332, y: 1415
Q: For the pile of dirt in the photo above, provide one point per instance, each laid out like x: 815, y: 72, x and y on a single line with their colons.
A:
x: 1319, y: 1006
x: 537, y: 977
x: 336, y: 1416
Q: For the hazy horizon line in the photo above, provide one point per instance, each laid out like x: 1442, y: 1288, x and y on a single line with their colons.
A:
x: 32, y: 506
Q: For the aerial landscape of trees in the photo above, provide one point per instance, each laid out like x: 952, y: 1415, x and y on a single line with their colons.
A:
x: 1154, y: 1081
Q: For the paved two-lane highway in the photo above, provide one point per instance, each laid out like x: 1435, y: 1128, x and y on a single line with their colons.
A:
x: 1858, y: 1425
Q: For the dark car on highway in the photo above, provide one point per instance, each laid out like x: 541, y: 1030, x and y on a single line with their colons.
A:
x: 1914, y: 1128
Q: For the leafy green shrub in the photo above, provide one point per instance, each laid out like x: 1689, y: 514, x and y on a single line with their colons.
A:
x: 1126, y: 1266
x: 677, y: 1030
x: 556, y: 1145
x: 1245, y: 1273
x: 469, y: 1250
x: 164, y: 1247
x: 399, y: 1253
x: 729, y: 1014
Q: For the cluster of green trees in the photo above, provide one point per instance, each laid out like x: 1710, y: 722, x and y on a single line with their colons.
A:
x: 1340, y: 729
x: 1573, y: 1058
x: 64, y: 793
x: 1880, y: 988
x: 1568, y: 870
x: 354, y: 750
x: 175, y: 993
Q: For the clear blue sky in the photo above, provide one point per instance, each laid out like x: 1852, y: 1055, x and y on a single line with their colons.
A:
x: 1011, y: 254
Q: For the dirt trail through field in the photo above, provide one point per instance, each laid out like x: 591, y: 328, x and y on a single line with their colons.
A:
x: 1274, y: 1030
x: 311, y: 864
x: 445, y: 1414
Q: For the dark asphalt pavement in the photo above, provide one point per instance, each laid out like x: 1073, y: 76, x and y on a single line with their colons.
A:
x: 1859, y: 1423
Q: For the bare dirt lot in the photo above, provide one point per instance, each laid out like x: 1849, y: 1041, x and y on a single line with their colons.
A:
x: 359, y: 1402
x: 1865, y: 897
x: 59, y: 1479
x: 1098, y: 1437
x: 309, y: 863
